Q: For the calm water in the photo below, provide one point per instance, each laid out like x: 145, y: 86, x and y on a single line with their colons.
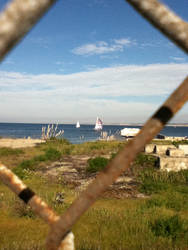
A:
x: 73, y: 134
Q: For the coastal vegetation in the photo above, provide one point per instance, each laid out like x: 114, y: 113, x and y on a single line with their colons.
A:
x: 158, y: 220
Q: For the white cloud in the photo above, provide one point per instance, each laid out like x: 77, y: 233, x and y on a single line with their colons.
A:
x: 102, y: 47
x: 107, y: 92
x: 123, y: 41
x: 178, y: 59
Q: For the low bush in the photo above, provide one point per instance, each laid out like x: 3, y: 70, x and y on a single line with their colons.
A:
x: 39, y: 158
x: 21, y: 173
x: 52, y: 154
x: 67, y: 149
x: 10, y: 151
x: 57, y: 141
x: 150, y: 187
x: 28, y: 164
x: 176, y: 143
x: 25, y: 166
x: 145, y: 160
x: 168, y: 227
x: 96, y: 164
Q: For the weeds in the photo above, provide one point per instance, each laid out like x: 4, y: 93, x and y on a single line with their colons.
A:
x: 176, y: 143
x: 20, y: 209
x: 145, y: 160
x: 52, y: 154
x: 23, y: 169
x: 154, y: 181
x: 10, y: 151
x: 157, y: 222
x: 22, y: 173
x: 168, y: 227
x: 51, y: 132
x: 96, y: 164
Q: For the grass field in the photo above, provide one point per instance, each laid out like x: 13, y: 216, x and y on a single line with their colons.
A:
x: 159, y: 221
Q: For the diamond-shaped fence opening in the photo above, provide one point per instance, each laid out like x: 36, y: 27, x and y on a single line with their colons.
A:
x: 15, y: 21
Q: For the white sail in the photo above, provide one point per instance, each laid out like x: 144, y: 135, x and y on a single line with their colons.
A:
x: 99, y: 124
x: 77, y: 124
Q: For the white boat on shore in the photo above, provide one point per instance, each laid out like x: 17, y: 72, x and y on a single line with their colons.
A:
x: 98, y: 124
x: 77, y: 124
x: 129, y: 132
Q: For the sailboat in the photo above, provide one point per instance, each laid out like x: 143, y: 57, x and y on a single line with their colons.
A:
x: 98, y: 124
x: 77, y: 124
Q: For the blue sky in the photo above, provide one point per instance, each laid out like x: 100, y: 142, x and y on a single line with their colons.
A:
x: 91, y: 58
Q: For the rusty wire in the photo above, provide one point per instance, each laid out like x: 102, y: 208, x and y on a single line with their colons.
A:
x: 119, y: 164
x: 17, y: 19
x: 35, y: 202
x: 164, y: 20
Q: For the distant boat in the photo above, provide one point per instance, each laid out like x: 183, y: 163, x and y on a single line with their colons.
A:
x: 98, y: 124
x: 77, y: 124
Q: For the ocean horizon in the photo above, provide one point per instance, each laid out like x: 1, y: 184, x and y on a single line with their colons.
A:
x: 75, y: 135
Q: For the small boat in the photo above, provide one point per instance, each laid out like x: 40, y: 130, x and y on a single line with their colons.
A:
x: 129, y: 132
x: 98, y: 124
x: 77, y: 124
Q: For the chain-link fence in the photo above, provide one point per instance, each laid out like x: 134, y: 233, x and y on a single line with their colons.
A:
x: 15, y: 21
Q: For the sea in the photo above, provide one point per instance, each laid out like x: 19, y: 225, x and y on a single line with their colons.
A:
x: 77, y: 135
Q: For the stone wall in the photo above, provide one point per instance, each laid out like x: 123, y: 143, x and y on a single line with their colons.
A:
x: 173, y: 163
x: 162, y: 149
x: 177, y: 152
x: 149, y: 148
x: 184, y: 148
x: 170, y: 158
x: 157, y: 149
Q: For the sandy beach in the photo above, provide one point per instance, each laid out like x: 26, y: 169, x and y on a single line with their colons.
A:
x: 19, y: 142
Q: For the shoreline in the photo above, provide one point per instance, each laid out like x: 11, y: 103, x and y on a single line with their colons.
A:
x: 105, y: 124
x: 19, y: 142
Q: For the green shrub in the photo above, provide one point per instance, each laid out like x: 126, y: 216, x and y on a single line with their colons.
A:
x: 168, y: 227
x: 150, y: 187
x: 67, y: 149
x: 28, y: 164
x: 57, y: 141
x: 145, y: 160
x: 63, y: 141
x: 22, y: 170
x: 176, y: 143
x: 96, y: 164
x: 39, y: 158
x: 52, y: 154
x: 10, y: 151
x: 21, y: 173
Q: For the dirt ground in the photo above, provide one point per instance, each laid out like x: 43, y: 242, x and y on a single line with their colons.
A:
x: 71, y: 171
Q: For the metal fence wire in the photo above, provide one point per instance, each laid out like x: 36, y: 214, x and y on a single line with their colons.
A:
x: 15, y: 21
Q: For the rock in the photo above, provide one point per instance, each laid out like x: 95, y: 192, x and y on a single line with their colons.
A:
x: 59, y: 198
x: 123, y: 179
